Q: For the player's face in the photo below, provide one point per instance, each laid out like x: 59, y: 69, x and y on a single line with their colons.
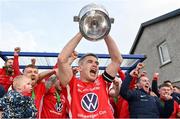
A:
x: 89, y: 68
x: 9, y: 62
x: 9, y: 67
x: 32, y: 73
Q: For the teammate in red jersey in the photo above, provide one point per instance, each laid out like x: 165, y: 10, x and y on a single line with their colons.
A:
x: 88, y: 95
x: 10, y: 70
x: 54, y: 101
x: 38, y: 84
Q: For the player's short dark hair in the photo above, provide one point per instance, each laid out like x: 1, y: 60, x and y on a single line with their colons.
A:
x: 88, y: 54
x: 31, y: 66
x: 8, y: 59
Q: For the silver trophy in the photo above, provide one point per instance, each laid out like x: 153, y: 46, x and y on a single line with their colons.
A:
x: 94, y: 22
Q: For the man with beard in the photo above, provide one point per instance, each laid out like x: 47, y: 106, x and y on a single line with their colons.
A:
x: 10, y: 70
x: 88, y: 95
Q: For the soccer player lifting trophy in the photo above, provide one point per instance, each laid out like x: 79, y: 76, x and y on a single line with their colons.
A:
x: 94, y: 22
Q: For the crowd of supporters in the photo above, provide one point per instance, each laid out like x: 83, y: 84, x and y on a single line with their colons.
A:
x: 59, y: 93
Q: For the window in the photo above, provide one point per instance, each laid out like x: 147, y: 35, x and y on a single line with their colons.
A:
x: 164, y: 54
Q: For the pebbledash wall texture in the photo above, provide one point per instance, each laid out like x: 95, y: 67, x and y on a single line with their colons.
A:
x: 155, y: 35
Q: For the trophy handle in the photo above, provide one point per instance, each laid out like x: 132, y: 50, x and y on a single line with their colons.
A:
x: 112, y: 20
x: 76, y: 19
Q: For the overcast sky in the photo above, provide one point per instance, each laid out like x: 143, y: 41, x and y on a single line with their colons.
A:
x: 47, y: 25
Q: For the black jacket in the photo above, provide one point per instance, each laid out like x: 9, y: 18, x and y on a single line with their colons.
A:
x: 143, y: 105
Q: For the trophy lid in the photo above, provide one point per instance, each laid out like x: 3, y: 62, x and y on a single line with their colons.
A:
x: 92, y: 7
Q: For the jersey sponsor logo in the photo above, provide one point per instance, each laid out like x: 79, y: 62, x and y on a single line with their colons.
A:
x: 89, y: 102
x: 59, y: 107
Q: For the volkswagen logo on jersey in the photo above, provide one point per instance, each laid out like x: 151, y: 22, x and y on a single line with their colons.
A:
x: 89, y: 102
x: 58, y: 107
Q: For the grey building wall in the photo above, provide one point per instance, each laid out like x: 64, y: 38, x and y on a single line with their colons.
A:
x: 152, y: 36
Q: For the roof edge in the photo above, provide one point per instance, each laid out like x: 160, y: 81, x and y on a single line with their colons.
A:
x: 151, y: 22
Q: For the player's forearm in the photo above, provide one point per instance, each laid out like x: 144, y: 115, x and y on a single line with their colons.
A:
x: 16, y: 64
x: 113, y: 50
x: 45, y: 74
x: 69, y: 48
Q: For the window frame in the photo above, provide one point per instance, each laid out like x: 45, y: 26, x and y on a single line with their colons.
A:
x: 160, y: 50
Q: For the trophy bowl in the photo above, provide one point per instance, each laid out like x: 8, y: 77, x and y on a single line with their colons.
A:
x: 94, y: 22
